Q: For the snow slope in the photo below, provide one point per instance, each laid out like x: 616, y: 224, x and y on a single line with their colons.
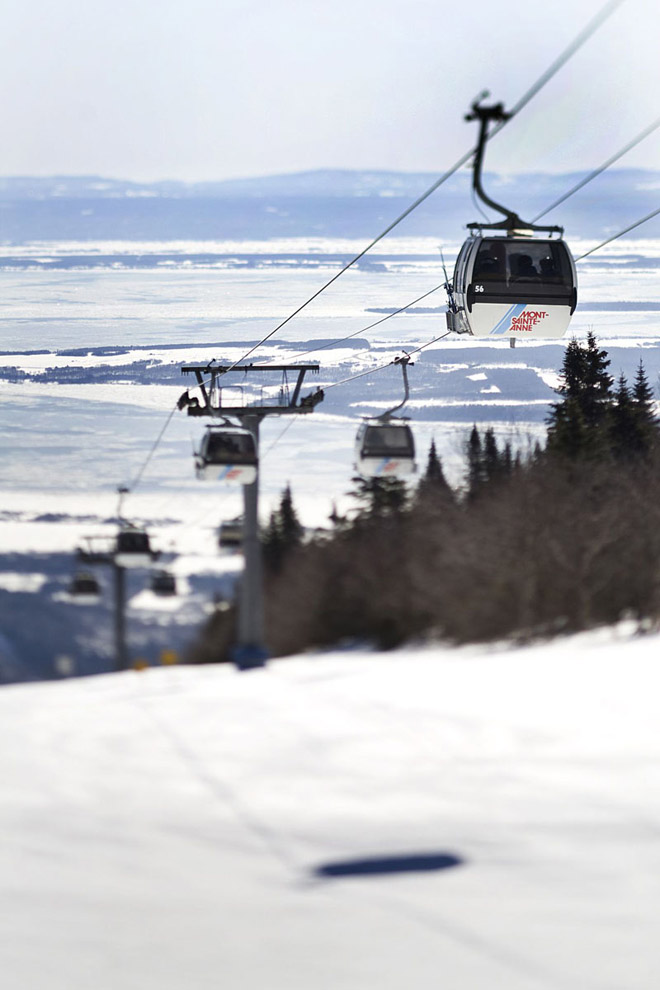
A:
x: 197, y: 828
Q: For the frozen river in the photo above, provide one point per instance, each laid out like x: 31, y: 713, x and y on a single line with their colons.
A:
x: 118, y: 335
x: 240, y: 291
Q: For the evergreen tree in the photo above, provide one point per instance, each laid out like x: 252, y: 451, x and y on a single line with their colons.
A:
x: 379, y: 496
x: 283, y: 534
x: 433, y: 483
x: 272, y: 545
x: 579, y: 425
x: 646, y: 424
x: 475, y: 463
x: 596, y: 392
x: 643, y: 394
x: 433, y: 471
x: 573, y: 371
x: 335, y: 518
x: 290, y: 526
x: 492, y: 460
x: 622, y: 426
x: 567, y: 430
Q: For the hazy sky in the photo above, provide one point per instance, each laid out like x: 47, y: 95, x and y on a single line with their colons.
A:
x: 211, y: 89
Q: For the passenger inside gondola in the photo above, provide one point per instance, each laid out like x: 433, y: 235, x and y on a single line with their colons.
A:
x: 548, y: 268
x: 525, y: 267
x: 487, y: 264
x: 490, y: 261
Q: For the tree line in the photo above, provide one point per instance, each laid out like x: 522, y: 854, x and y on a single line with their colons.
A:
x: 559, y: 538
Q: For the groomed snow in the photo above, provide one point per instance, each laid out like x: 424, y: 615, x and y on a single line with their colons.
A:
x: 169, y: 829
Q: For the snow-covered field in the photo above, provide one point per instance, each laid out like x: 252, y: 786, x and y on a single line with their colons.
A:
x: 456, y: 818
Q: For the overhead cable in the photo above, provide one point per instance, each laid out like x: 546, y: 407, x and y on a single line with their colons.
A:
x: 279, y: 437
x: 381, y: 367
x: 362, y: 374
x: 626, y: 230
x: 356, y: 333
x: 601, y: 168
x: 609, y: 240
x: 615, y: 237
x: 581, y: 38
x: 552, y: 70
x: 151, y: 452
x: 559, y: 62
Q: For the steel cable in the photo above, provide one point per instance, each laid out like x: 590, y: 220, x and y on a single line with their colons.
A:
x: 615, y: 237
x: 356, y: 333
x: 581, y: 38
x: 601, y: 168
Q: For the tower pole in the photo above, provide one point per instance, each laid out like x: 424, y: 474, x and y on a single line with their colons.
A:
x: 250, y: 649
x: 120, y: 617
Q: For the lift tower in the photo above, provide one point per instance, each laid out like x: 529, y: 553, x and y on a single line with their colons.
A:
x: 250, y: 649
x: 103, y: 551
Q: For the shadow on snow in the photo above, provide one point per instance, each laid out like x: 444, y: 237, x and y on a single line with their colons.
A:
x: 383, y: 865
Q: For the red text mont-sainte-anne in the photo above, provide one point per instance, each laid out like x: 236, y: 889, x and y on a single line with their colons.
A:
x: 528, y: 319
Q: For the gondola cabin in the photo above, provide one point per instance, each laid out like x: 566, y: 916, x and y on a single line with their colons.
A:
x: 227, y: 454
x: 132, y: 548
x: 385, y: 450
x: 513, y: 286
x: 85, y: 588
x: 230, y: 534
x: 163, y: 583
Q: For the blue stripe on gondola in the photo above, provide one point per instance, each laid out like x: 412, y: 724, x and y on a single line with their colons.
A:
x: 226, y: 470
x: 510, y: 314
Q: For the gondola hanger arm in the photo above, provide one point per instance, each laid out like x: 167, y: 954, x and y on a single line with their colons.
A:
x: 403, y: 363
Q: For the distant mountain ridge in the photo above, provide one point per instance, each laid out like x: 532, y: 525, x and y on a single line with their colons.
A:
x: 321, y: 183
x: 322, y: 203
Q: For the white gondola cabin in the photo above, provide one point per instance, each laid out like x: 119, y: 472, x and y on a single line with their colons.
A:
x: 512, y: 278
x: 85, y: 588
x: 163, y: 583
x: 511, y: 286
x: 227, y: 453
x: 230, y: 534
x: 385, y: 450
x: 132, y: 548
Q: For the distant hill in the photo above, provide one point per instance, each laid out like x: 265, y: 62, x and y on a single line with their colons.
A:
x: 331, y: 203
